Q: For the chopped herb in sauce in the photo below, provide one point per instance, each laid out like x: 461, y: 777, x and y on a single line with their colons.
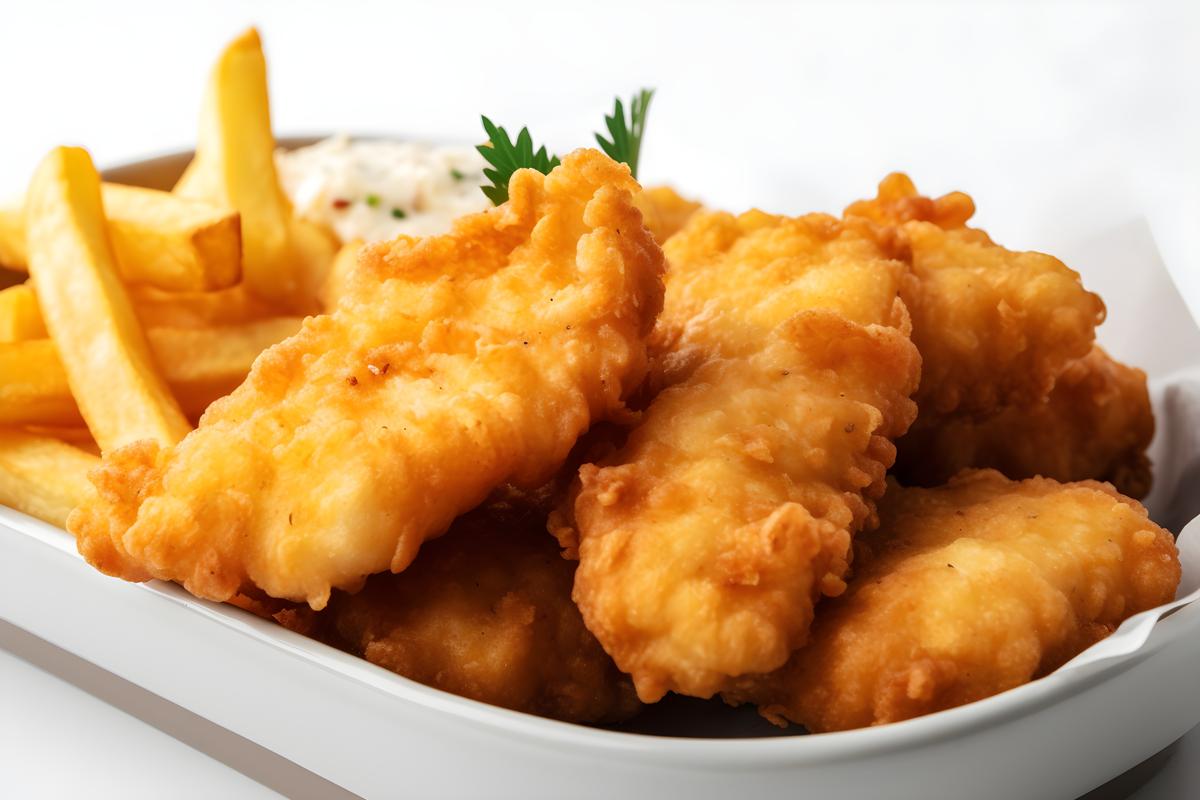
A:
x: 398, y: 213
x: 372, y: 200
x: 457, y: 174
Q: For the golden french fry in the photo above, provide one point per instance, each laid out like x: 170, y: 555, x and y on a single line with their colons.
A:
x: 204, y: 364
x: 338, y: 279
x: 199, y: 364
x: 159, y: 239
x: 314, y: 247
x: 20, y: 317
x: 196, y: 182
x: 12, y: 235
x: 43, y: 477
x: 109, y: 366
x: 235, y: 167
x: 75, y: 435
x: 158, y: 309
x: 33, y: 386
x: 173, y: 243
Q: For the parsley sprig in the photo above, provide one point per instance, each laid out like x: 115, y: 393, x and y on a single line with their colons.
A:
x: 507, y: 157
x: 626, y: 142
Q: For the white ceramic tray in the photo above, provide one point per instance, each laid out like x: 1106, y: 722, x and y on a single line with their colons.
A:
x: 381, y: 735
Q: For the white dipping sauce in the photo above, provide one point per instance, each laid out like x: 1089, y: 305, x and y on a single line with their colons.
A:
x: 376, y: 190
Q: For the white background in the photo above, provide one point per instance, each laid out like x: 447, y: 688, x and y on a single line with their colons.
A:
x: 1060, y: 119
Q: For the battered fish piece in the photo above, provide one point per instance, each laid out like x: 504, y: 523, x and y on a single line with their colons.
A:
x: 734, y: 279
x: 664, y: 211
x: 485, y: 612
x: 994, y: 326
x: 704, y: 542
x: 966, y: 591
x: 453, y: 364
x: 1096, y: 424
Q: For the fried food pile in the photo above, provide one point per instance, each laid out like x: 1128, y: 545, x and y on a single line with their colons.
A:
x: 966, y: 590
x: 705, y: 541
x: 486, y: 613
x: 456, y: 364
x: 592, y: 446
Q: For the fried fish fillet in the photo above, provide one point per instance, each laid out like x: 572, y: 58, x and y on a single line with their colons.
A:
x: 454, y: 364
x: 485, y: 612
x: 1096, y: 424
x: 705, y: 540
x: 968, y: 590
x: 994, y: 326
x: 664, y: 211
x: 732, y: 279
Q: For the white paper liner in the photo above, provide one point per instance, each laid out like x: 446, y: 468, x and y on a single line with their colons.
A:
x: 1150, y: 326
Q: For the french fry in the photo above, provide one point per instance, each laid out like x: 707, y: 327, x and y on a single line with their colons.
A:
x: 20, y: 317
x: 203, y: 364
x: 173, y: 243
x: 234, y: 166
x: 75, y: 435
x: 158, y: 309
x: 314, y: 249
x: 338, y: 279
x: 199, y: 365
x: 42, y: 476
x: 108, y: 364
x: 159, y: 239
x: 12, y: 235
x: 33, y: 386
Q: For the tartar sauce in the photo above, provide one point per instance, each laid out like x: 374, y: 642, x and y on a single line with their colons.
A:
x: 377, y: 189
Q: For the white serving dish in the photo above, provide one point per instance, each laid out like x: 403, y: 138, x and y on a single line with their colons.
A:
x: 381, y: 735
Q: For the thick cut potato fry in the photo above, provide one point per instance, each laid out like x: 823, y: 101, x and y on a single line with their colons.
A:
x: 20, y: 317
x: 199, y: 365
x: 233, y: 306
x: 109, y: 366
x: 75, y: 435
x: 171, y: 242
x: 33, y: 386
x: 159, y: 239
x: 12, y: 235
x: 42, y: 476
x: 283, y: 259
x: 338, y: 280
x: 202, y: 365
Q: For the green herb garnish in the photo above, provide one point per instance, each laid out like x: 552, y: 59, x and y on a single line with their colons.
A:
x: 457, y: 174
x: 398, y: 213
x: 372, y: 200
x: 626, y: 143
x: 507, y: 157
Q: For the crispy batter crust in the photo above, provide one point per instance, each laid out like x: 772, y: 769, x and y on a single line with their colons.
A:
x: 733, y: 279
x: 665, y: 212
x: 1096, y: 424
x: 454, y: 363
x: 965, y: 591
x: 486, y: 612
x: 994, y: 326
x: 705, y: 541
